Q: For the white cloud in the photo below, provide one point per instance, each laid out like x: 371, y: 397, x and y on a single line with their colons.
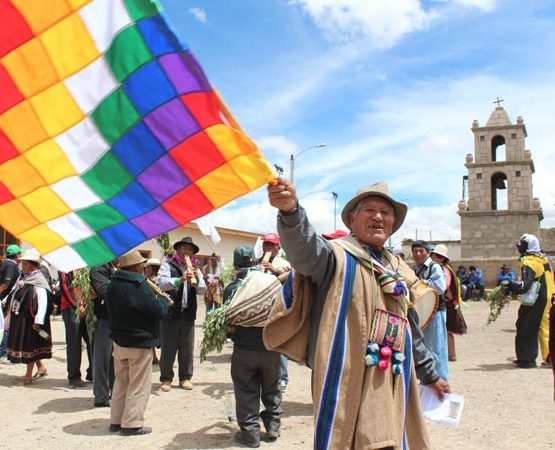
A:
x: 484, y: 5
x: 199, y: 14
x: 423, y: 221
x: 383, y: 23
x: 278, y: 145
x: 285, y: 98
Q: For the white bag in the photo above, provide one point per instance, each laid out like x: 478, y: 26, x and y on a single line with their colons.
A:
x: 530, y: 296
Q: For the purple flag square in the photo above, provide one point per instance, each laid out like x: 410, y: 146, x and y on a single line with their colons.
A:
x: 155, y: 222
x: 184, y: 73
x: 163, y: 179
x: 172, y: 123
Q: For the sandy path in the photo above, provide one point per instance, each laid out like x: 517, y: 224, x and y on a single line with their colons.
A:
x: 506, y: 408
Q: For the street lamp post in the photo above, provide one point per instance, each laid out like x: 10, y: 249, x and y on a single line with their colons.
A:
x: 294, y: 157
x: 334, y: 210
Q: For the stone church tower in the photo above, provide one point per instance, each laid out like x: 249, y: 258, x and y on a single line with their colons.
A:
x: 500, y: 205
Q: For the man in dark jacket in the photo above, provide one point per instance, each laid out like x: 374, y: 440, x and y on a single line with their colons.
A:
x: 9, y: 273
x: 134, y: 312
x: 254, y: 370
x: 103, y: 371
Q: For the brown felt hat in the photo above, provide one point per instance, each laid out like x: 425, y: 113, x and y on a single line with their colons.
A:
x: 378, y: 189
x: 131, y: 258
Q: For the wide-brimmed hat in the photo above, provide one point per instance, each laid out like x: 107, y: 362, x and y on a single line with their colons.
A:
x: 505, y: 266
x: 131, y: 258
x: 186, y: 240
x: 31, y: 254
x: 153, y: 262
x: 13, y: 249
x: 441, y: 250
x: 378, y: 189
x: 272, y: 238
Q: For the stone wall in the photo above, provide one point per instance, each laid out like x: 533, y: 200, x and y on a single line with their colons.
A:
x: 493, y: 234
x: 490, y: 267
x: 547, y: 240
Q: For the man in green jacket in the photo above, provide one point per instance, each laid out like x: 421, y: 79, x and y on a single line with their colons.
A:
x: 134, y: 311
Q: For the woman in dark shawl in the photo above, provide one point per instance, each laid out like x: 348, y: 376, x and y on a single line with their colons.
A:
x: 29, y: 339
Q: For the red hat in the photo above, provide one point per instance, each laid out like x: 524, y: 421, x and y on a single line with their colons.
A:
x: 271, y: 237
x: 335, y: 235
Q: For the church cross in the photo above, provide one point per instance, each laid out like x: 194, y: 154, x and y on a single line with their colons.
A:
x: 498, y: 101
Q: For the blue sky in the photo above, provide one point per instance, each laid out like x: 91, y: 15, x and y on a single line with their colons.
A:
x: 392, y: 87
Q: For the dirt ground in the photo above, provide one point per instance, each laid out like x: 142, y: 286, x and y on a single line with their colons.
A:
x: 505, y: 407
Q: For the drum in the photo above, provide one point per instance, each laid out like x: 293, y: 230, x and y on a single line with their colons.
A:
x: 425, y: 304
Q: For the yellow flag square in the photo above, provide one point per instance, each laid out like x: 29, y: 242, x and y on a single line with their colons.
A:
x: 69, y: 55
x: 40, y: 14
x: 231, y: 143
x: 50, y: 161
x: 56, y: 109
x: 20, y: 177
x: 30, y: 67
x: 222, y: 185
x: 22, y: 126
x: 43, y: 239
x: 45, y: 204
x: 14, y: 216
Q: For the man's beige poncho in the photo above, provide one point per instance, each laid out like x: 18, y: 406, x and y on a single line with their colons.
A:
x: 355, y: 406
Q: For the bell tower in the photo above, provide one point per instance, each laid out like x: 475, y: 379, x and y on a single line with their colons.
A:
x: 500, y: 206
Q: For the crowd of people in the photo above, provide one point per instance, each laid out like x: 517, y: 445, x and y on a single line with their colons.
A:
x: 341, y: 303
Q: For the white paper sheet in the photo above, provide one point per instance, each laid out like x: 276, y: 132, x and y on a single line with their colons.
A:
x: 448, y: 412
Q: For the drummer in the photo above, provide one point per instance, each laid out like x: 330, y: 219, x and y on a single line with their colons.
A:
x: 435, y: 334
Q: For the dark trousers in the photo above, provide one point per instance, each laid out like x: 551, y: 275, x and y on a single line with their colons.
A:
x: 177, y: 336
x: 75, y: 331
x: 471, y: 287
x: 527, y: 327
x: 255, y: 375
x: 103, y: 365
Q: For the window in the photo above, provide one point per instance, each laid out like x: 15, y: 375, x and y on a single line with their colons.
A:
x: 479, y: 176
x: 517, y: 173
x: 499, y: 197
x: 5, y: 240
x: 498, y: 148
x: 513, y: 135
x: 482, y: 138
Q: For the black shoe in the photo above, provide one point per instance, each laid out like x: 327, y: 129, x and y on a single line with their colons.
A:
x: 271, y: 436
x: 78, y: 383
x: 105, y: 404
x: 525, y: 364
x: 243, y: 440
x: 114, y: 428
x: 135, y: 431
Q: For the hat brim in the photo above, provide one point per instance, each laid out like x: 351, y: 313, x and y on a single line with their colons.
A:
x: 180, y: 243
x: 400, y: 208
x: 31, y: 259
x: 440, y: 254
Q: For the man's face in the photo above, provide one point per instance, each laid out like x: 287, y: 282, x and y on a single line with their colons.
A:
x: 270, y: 247
x: 213, y: 262
x: 505, y: 270
x: 372, y: 222
x: 185, y: 250
x: 419, y: 254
